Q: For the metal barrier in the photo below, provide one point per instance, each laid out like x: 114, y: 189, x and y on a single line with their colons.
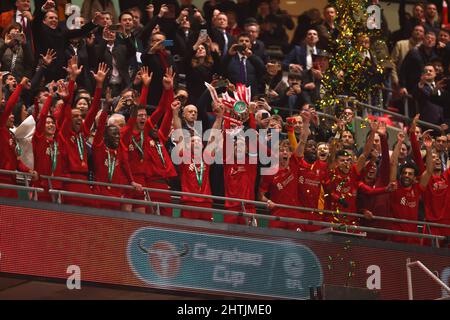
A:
x: 59, y: 193
x: 410, y: 264
x: 249, y: 215
x: 405, y: 118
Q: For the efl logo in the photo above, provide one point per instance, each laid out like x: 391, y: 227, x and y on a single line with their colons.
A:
x: 164, y: 258
x: 374, y: 17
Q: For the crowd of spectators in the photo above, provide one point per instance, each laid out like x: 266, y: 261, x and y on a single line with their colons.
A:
x: 100, y: 97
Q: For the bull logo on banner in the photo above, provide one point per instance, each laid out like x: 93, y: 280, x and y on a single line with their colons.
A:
x: 164, y: 257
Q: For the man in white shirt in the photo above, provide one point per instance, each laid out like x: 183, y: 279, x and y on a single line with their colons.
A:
x: 301, y: 57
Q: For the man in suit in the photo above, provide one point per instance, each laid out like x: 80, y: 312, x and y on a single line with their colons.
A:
x: 252, y: 28
x: 242, y: 66
x: 157, y: 59
x: 428, y: 97
x: 327, y: 29
x: 301, y: 57
x: 414, y: 63
x: 116, y: 54
x: 48, y: 34
x: 401, y: 49
x: 220, y: 35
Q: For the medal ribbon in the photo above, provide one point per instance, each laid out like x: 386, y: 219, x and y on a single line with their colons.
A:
x: 140, y: 144
x: 80, y: 146
x: 159, y: 149
x: 199, y: 175
x: 53, y: 155
x: 111, y: 165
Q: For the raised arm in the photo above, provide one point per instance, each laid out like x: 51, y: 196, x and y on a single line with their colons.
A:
x: 394, y: 156
x: 367, y: 147
x: 415, y: 147
x: 168, y: 90
x: 384, y: 166
x: 126, y: 132
x: 73, y: 72
x: 93, y: 110
x: 164, y: 128
x: 40, y: 126
x: 100, y: 133
x: 428, y: 173
x: 146, y: 80
x: 12, y: 101
x: 300, y: 150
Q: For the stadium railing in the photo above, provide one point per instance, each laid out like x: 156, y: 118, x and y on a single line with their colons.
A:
x: 338, y: 226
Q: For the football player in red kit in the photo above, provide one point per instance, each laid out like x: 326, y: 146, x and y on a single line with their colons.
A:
x: 311, y: 172
x: 283, y: 188
x: 239, y: 171
x: 11, y: 152
x: 405, y: 200
x: 73, y: 136
x: 151, y: 163
x: 110, y: 158
x: 46, y: 149
x: 376, y: 176
x: 194, y: 169
x: 342, y: 183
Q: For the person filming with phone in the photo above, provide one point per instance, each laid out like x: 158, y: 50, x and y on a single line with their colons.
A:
x: 242, y: 66
x: 158, y: 59
x: 15, y: 56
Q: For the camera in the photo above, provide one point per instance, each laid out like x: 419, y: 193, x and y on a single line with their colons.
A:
x: 240, y: 48
x: 128, y: 102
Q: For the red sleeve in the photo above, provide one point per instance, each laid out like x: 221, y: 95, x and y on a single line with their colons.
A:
x: 93, y: 110
x: 40, y: 126
x: 126, y: 165
x: 252, y: 121
x: 265, y: 183
x: 415, y: 150
x: 12, y: 101
x: 144, y: 95
x: 365, y: 189
x: 158, y: 113
x: 98, y: 138
x: 126, y: 131
x: 166, y: 123
x: 66, y: 112
x: 385, y: 165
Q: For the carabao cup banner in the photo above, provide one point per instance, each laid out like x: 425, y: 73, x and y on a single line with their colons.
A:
x: 166, y: 255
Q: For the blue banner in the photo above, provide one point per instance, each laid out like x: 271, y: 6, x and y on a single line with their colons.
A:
x: 176, y: 259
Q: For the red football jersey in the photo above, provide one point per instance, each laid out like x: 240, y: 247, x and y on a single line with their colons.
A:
x: 345, y: 187
x: 437, y: 198
x: 239, y: 182
x: 310, y: 177
x: 405, y: 205
x: 283, y: 186
x: 195, y: 179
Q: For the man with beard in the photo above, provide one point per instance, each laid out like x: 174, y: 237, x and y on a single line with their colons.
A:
x: 342, y: 182
x: 376, y: 176
x: 110, y: 161
x: 405, y: 200
x: 311, y: 172
x: 74, y: 134
x: 240, y: 170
